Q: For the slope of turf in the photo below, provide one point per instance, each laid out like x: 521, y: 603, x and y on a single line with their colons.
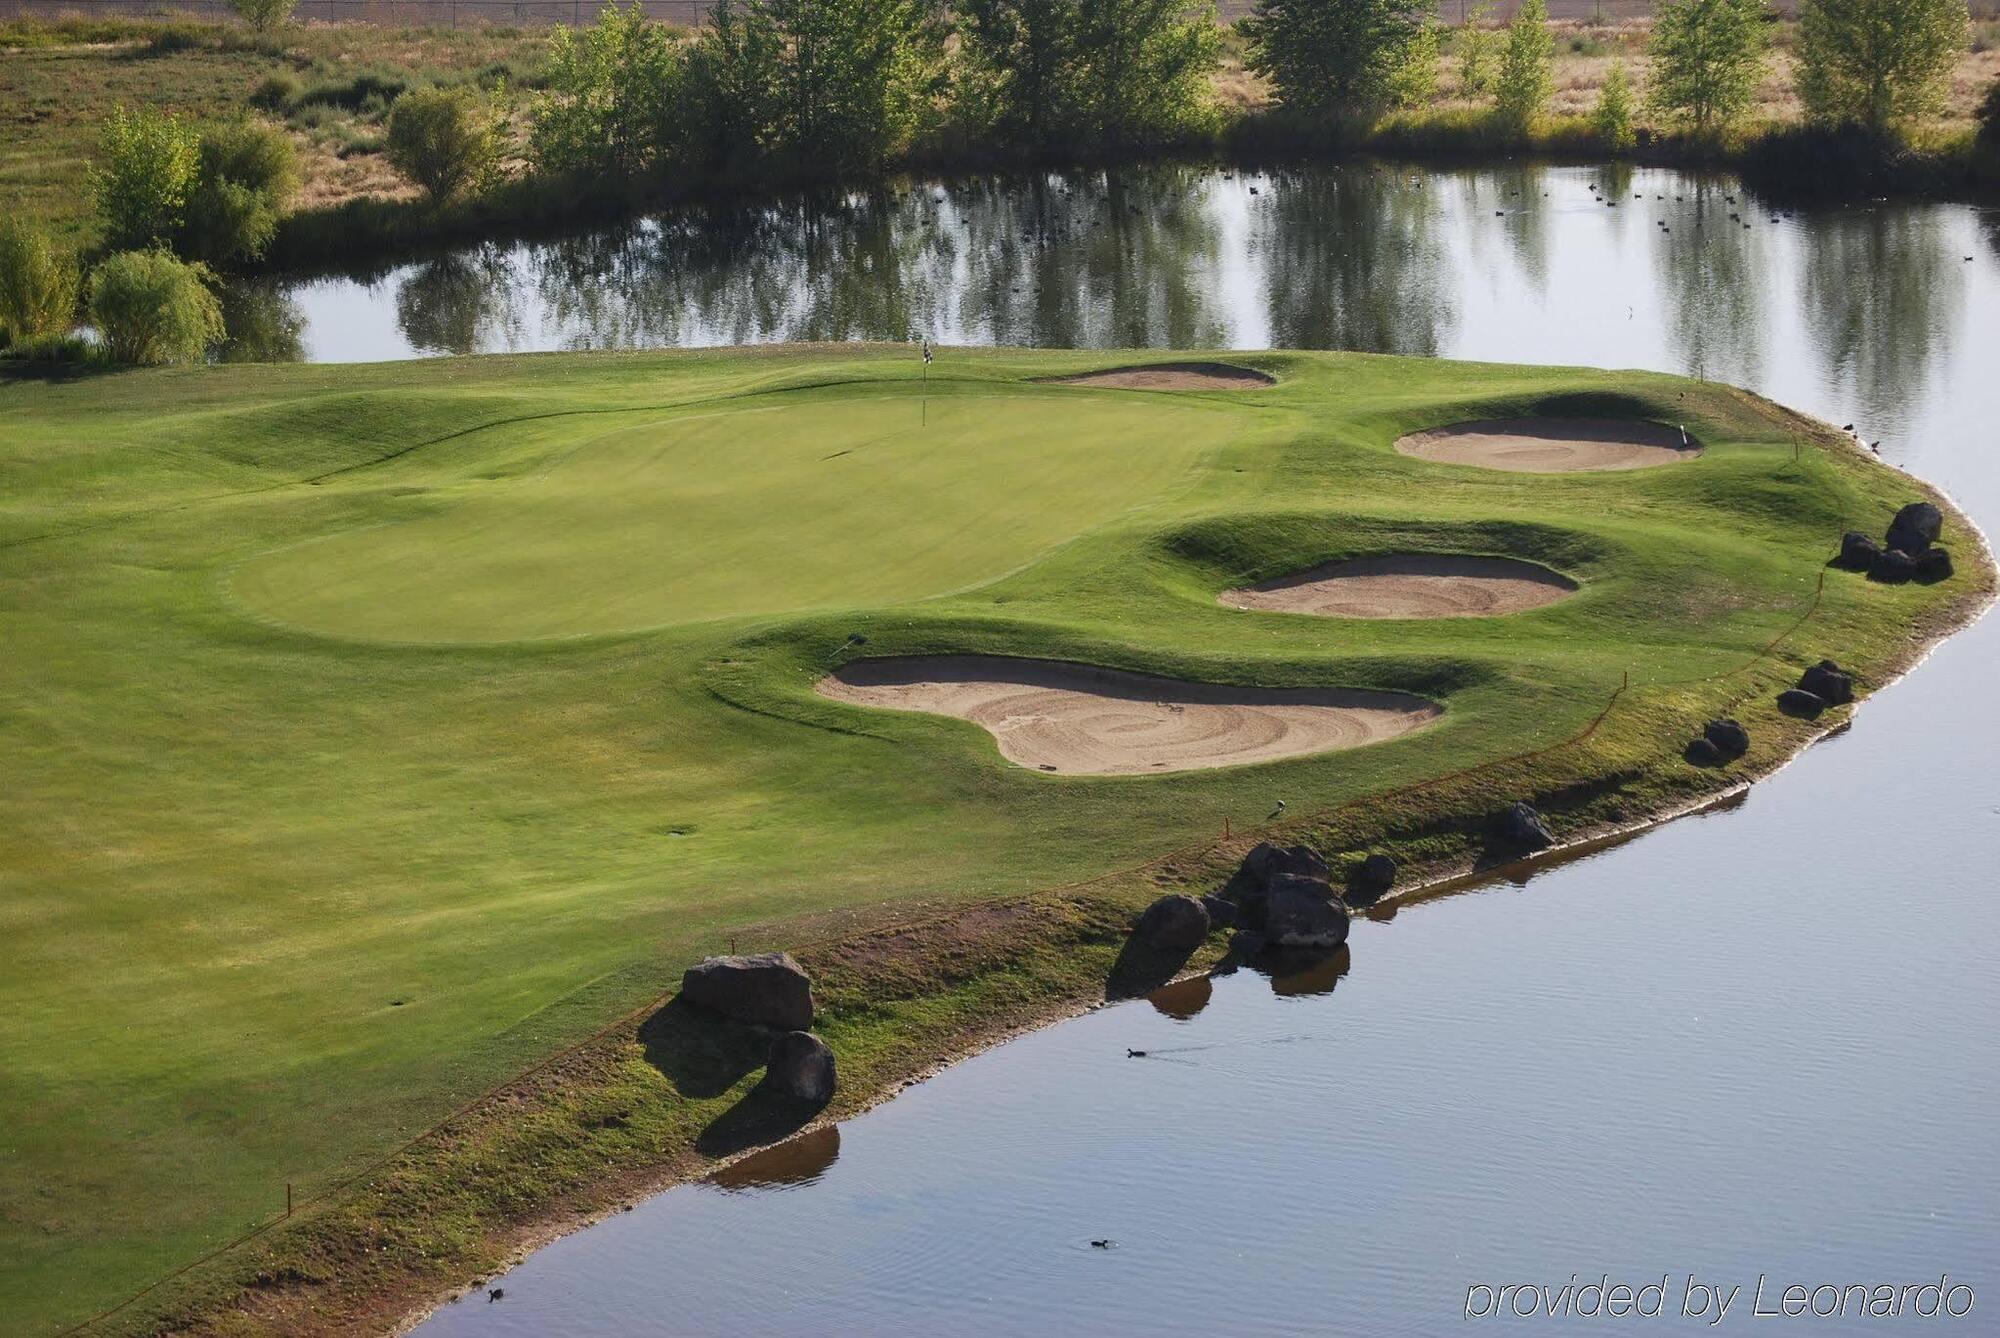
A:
x: 365, y: 732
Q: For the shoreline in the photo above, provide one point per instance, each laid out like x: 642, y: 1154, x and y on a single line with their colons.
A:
x: 1059, y: 939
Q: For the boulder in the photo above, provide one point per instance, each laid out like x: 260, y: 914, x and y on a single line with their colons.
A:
x: 1828, y: 682
x: 1857, y: 551
x: 800, y: 1068
x: 1931, y: 566
x: 1222, y: 912
x: 1317, y: 888
x: 1893, y: 567
x: 1915, y: 528
x: 1297, y: 918
x: 1266, y: 860
x: 1702, y: 752
x: 1173, y: 924
x: 1371, y: 879
x: 1523, y: 829
x: 1799, y: 702
x: 1730, y: 739
x: 769, y: 989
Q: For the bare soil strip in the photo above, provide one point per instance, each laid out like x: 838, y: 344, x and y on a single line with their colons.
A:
x: 1553, y: 445
x: 1408, y: 585
x: 1173, y: 376
x: 1077, y: 719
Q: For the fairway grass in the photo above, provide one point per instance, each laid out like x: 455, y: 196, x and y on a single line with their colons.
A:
x: 368, y: 734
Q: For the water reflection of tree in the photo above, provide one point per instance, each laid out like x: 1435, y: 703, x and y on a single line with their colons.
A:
x: 460, y: 303
x: 1127, y: 258
x: 1712, y: 284
x: 1353, y: 259
x: 1881, y: 291
x: 854, y: 267
x: 263, y: 321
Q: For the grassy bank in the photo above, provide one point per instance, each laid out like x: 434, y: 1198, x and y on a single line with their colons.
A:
x: 370, y: 738
x: 330, y: 87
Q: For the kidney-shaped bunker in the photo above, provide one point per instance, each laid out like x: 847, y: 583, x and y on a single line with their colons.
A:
x: 1553, y: 445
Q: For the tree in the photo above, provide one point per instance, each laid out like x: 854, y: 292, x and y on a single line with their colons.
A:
x: 443, y: 139
x: 1707, y: 58
x: 1526, y: 81
x: 1612, y: 118
x: 38, y: 283
x: 143, y: 182
x: 1476, y: 43
x: 1988, y: 118
x: 263, y: 15
x: 1415, y: 79
x: 727, y: 89
x: 1877, y: 61
x: 1334, y: 58
x: 611, y: 92
x: 244, y: 174
x: 154, y: 308
x: 1047, y: 72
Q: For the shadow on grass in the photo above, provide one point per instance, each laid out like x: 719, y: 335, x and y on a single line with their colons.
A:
x: 762, y: 1117
x: 1141, y: 969
x: 702, y: 1054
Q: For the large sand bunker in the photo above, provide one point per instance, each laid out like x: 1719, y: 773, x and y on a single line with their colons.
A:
x: 1082, y: 720
x: 1173, y: 376
x: 1408, y: 585
x: 1553, y: 445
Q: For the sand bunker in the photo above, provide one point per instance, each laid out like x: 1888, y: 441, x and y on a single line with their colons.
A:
x: 1408, y: 585
x: 1553, y: 445
x: 1081, y: 720
x: 1173, y: 376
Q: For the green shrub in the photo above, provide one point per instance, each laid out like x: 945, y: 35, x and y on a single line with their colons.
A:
x: 245, y: 173
x: 38, y: 284
x: 352, y: 93
x: 1414, y: 81
x: 276, y: 92
x: 1526, y: 79
x: 443, y: 139
x: 1335, y: 59
x: 263, y: 15
x: 145, y: 178
x: 1612, y: 118
x: 153, y: 308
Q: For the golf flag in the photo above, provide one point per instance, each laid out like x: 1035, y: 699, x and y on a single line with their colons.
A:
x: 927, y: 353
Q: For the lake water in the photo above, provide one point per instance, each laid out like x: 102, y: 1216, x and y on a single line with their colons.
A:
x: 1760, y: 1042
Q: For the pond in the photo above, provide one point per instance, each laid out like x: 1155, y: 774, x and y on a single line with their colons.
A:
x: 1757, y: 1043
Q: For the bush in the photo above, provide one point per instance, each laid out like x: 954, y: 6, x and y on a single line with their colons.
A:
x: 1988, y: 117
x: 1476, y: 44
x: 1414, y: 82
x: 152, y: 308
x: 1874, y: 62
x: 244, y: 174
x: 143, y: 183
x: 1612, y: 118
x: 443, y: 139
x: 263, y: 15
x: 276, y: 92
x: 38, y: 284
x: 1526, y: 78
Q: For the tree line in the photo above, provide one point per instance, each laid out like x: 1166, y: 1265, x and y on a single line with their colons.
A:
x: 787, y: 90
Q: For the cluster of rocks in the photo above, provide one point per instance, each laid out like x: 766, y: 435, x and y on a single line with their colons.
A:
x: 769, y: 990
x: 1908, y: 552
x: 1719, y: 743
x: 1824, y: 684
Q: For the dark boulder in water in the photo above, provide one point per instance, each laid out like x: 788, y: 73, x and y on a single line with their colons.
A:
x: 1298, y: 917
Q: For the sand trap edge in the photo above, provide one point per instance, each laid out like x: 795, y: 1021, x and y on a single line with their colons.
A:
x: 1295, y: 592
x: 1549, y: 445
x: 967, y: 687
x: 1170, y: 376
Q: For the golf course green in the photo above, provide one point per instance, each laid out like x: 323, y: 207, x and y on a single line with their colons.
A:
x: 369, y: 733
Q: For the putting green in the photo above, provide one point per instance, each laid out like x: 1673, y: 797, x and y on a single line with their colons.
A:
x: 742, y: 511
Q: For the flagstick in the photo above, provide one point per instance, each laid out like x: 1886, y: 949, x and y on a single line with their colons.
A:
x: 924, y: 405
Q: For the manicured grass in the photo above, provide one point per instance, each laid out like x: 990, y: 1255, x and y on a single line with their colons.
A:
x: 366, y: 733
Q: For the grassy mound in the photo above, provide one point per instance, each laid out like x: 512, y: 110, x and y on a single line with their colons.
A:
x: 371, y: 732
